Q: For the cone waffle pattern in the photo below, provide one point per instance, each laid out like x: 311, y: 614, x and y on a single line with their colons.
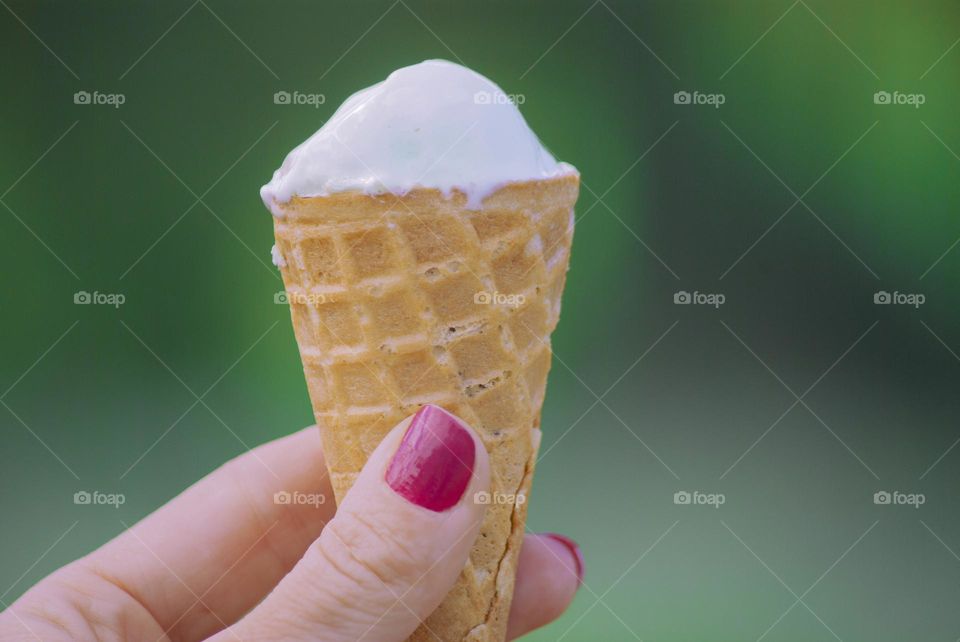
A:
x: 399, y: 302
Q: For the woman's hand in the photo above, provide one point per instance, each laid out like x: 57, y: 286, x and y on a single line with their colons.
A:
x: 226, y: 560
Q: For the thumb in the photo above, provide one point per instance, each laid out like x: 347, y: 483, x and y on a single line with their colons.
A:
x: 399, y: 540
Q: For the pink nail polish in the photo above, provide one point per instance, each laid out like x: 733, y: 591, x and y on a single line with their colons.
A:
x: 574, y: 549
x: 434, y: 463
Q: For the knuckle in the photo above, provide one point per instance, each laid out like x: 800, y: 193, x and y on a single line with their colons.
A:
x: 112, y: 610
x: 371, y: 554
x: 79, y: 603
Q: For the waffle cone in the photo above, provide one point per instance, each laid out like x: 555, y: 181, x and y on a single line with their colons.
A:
x: 402, y: 301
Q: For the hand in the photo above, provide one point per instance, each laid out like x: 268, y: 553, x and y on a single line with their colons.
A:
x: 225, y: 560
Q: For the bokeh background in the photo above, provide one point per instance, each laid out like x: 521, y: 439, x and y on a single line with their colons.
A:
x: 797, y: 199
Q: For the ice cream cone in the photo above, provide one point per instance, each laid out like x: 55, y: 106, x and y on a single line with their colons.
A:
x: 399, y: 301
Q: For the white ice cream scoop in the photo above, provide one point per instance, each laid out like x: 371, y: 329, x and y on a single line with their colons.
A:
x: 432, y: 125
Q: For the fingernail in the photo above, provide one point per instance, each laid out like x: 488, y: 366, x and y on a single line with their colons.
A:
x: 434, y: 463
x: 574, y: 549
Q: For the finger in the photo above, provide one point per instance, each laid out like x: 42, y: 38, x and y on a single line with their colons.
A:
x: 210, y: 555
x: 549, y: 573
x: 396, y: 546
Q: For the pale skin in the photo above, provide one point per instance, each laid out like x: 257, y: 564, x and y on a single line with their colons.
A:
x: 223, y: 561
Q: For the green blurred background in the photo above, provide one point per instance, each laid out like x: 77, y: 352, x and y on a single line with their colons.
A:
x: 646, y: 399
